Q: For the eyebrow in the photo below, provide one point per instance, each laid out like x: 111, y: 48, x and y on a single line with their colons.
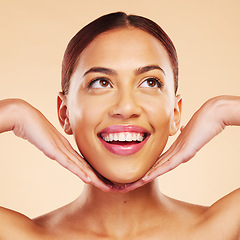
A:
x: 109, y: 71
x: 142, y: 70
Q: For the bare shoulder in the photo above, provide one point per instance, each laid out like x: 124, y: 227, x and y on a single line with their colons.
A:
x: 14, y: 225
x: 227, y: 207
x: 223, y: 217
x: 227, y: 204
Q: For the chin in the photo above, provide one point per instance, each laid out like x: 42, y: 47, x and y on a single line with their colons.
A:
x: 124, y: 177
x: 124, y: 180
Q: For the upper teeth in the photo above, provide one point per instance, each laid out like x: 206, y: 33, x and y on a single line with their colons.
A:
x: 123, y: 136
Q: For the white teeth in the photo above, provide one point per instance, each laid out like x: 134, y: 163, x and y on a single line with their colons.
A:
x: 115, y: 138
x: 129, y: 137
x: 139, y: 137
x: 134, y: 137
x: 123, y: 136
x: 110, y: 138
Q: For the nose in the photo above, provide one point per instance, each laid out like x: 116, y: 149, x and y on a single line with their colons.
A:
x: 125, y: 105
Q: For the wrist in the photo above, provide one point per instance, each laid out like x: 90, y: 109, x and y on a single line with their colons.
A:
x: 12, y: 112
x: 226, y: 109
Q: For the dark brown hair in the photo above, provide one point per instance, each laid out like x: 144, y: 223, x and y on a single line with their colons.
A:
x: 106, y: 23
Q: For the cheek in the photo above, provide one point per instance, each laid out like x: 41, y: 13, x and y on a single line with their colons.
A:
x: 160, y: 115
x: 161, y: 120
x: 89, y: 113
x: 159, y: 111
x: 86, y: 115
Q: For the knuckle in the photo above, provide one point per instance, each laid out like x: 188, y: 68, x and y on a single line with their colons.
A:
x: 67, y: 163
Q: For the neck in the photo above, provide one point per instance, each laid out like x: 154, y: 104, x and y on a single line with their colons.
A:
x: 113, y: 212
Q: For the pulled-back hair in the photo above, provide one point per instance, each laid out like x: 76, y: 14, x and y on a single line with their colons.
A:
x: 106, y: 23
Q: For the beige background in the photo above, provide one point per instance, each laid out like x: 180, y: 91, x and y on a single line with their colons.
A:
x: 34, y: 35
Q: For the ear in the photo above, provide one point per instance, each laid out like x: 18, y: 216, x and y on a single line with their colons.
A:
x: 63, y: 113
x: 177, y: 115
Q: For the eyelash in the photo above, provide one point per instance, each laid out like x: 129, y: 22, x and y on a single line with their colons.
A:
x: 98, y: 79
x: 156, y: 80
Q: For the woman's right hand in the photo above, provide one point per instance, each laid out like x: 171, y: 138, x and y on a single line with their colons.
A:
x: 206, y: 123
x: 30, y: 124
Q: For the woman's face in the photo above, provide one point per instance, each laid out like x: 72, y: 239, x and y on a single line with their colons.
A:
x: 121, y: 103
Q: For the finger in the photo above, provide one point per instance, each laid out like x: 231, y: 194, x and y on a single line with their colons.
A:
x: 70, y: 148
x: 181, y: 128
x: 85, y: 174
x: 81, y: 163
x: 97, y: 182
x: 162, y: 161
x: 168, y: 154
x: 165, y: 167
x: 178, y: 148
x: 70, y: 165
x: 83, y: 166
x: 132, y: 186
x: 164, y: 157
x: 64, y: 144
x: 80, y: 167
x: 158, y: 171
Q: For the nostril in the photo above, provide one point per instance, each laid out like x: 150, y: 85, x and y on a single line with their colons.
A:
x: 128, y: 110
x: 116, y: 114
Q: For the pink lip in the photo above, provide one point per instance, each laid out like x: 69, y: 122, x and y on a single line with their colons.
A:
x: 124, y: 128
x: 124, y: 149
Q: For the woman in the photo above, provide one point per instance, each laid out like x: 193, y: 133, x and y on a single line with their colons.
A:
x: 118, y: 99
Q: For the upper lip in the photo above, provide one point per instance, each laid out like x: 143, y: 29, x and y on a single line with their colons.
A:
x: 124, y: 128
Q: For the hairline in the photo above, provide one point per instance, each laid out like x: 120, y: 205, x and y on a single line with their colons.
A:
x: 128, y: 26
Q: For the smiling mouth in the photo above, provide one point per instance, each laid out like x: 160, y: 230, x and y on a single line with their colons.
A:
x: 123, y: 137
x: 123, y: 140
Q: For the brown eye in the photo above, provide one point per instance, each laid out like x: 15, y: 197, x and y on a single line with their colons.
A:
x: 103, y: 83
x: 100, y: 83
x: 151, y: 83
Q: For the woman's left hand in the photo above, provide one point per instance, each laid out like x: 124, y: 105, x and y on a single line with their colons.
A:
x: 204, y: 125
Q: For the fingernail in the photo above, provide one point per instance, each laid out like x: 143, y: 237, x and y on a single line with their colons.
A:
x: 89, y: 179
x: 145, y: 178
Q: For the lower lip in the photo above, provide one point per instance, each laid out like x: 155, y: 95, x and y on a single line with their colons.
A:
x: 124, y: 149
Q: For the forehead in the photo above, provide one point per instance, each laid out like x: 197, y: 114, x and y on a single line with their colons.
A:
x: 124, y: 48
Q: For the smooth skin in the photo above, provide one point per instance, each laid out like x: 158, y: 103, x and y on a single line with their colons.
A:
x: 137, y: 210
x: 125, y: 99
